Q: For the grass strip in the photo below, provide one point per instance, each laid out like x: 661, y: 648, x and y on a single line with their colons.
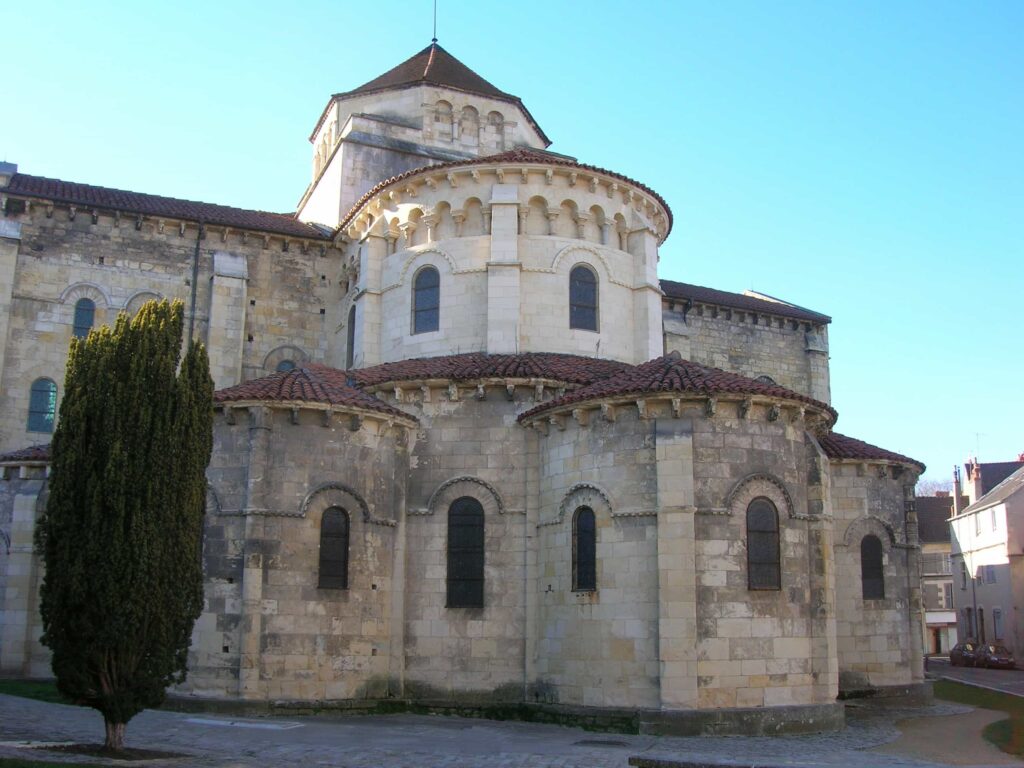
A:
x: 40, y: 690
x: 1007, y: 734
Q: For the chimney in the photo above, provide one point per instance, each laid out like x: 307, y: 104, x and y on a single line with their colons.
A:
x: 942, y: 494
x: 957, y: 499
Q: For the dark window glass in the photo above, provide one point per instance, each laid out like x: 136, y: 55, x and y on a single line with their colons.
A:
x: 426, y: 300
x: 583, y: 299
x: 763, y: 557
x: 42, y: 406
x: 334, y: 549
x: 85, y: 313
x: 286, y: 365
x: 350, y: 353
x: 872, y: 579
x: 465, y: 553
x: 584, y: 550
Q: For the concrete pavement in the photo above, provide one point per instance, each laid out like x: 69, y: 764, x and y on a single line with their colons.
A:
x: 1006, y: 680
x: 412, y: 741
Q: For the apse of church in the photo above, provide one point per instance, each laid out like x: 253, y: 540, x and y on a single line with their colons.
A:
x: 470, y: 450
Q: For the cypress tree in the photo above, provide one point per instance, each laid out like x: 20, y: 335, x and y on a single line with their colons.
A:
x: 121, y: 536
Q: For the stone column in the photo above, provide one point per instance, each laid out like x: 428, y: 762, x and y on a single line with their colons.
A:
x: 552, y: 215
x: 371, y: 265
x: 915, y: 605
x: 581, y: 225
x: 503, y: 271
x: 10, y: 240
x: 648, y: 338
x: 225, y: 338
x: 459, y: 217
x: 677, y: 575
x: 816, y: 346
x: 430, y: 221
x: 607, y: 231
x: 19, y: 633
x: 532, y: 543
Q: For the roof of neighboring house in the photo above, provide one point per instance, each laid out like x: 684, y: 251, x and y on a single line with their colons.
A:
x: 993, y: 472
x: 520, y: 156
x: 686, y: 291
x: 89, y: 196
x: 671, y: 373
x: 571, y: 369
x: 435, y: 66
x: 837, y: 446
x: 32, y: 453
x: 933, y: 513
x: 311, y: 383
x: 999, y: 494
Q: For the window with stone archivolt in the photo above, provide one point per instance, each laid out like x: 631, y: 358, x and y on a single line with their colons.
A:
x: 465, y: 553
x: 334, y: 544
x: 426, y: 300
x: 584, y: 550
x: 42, y: 405
x: 763, y: 554
x: 583, y: 298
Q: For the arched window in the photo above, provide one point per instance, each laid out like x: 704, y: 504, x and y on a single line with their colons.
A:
x: 583, y: 298
x: 872, y: 579
x: 85, y: 314
x: 763, y: 570
x: 334, y: 549
x: 465, y: 553
x: 350, y: 353
x: 285, y: 366
x: 766, y: 380
x: 42, y: 405
x: 426, y: 300
x: 584, y: 550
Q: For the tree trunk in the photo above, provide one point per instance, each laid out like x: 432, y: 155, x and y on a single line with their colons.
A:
x: 115, y: 736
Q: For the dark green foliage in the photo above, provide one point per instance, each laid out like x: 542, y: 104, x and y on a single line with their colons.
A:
x: 122, y: 533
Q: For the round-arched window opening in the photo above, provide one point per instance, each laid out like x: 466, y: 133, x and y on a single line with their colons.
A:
x: 286, y: 365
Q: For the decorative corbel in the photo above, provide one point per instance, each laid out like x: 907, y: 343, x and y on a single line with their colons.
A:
x: 138, y: 222
x: 284, y: 246
x: 677, y: 407
x: 410, y: 190
x: 49, y: 210
x: 117, y: 220
x: 510, y: 392
x: 431, y: 182
x: 451, y: 180
x: 73, y: 211
x: 500, y: 172
x: 541, y: 426
x: 549, y: 176
x: 354, y: 423
x: 525, y: 173
x: 295, y: 415
x: 641, y: 408
x: 266, y: 242
x: 745, y: 406
x: 612, y: 189
x: 398, y: 394
x: 475, y: 175
x: 229, y: 414
x: 425, y: 392
x: 774, y: 412
x: 181, y: 229
x: 453, y: 392
x: 582, y: 416
x: 883, y: 472
x: 557, y: 421
x: 326, y: 421
x: 481, y: 393
x: 593, y: 184
x: 608, y: 412
x: 245, y: 237
x: 798, y: 414
x: 96, y: 217
x: 572, y: 178
x: 710, y: 406
x: 538, y: 392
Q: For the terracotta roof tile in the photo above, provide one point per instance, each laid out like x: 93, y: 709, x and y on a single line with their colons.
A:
x: 571, y: 369
x: 520, y: 156
x: 312, y: 383
x: 32, y: 453
x: 90, y: 196
x: 674, y: 290
x: 837, y: 446
x: 671, y: 373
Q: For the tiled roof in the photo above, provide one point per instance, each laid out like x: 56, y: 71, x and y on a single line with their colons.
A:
x: 992, y: 472
x: 520, y: 156
x: 105, y: 198
x: 837, y: 446
x: 933, y: 513
x: 312, y: 383
x: 571, y: 369
x: 435, y: 66
x: 671, y: 373
x: 32, y: 453
x: 674, y: 290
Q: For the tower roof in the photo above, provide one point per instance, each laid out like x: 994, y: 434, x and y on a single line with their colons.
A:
x: 432, y: 66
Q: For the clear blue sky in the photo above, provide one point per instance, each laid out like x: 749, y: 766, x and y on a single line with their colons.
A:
x: 865, y: 160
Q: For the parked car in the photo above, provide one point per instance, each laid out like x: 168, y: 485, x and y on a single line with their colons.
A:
x: 964, y: 654
x: 995, y: 655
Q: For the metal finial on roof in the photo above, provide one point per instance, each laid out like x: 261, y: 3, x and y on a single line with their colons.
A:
x: 434, y: 38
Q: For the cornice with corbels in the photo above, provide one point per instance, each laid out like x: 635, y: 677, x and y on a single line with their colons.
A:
x: 330, y: 415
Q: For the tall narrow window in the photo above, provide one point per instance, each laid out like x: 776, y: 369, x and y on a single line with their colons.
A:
x: 997, y: 623
x: 42, y: 405
x: 426, y: 300
x: 334, y: 549
x: 350, y: 353
x: 963, y: 575
x: 465, y: 553
x: 583, y: 298
x: 872, y: 577
x: 584, y: 550
x: 85, y: 314
x: 763, y: 571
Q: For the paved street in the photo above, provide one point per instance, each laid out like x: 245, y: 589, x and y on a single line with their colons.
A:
x: 407, y: 741
x: 1007, y: 680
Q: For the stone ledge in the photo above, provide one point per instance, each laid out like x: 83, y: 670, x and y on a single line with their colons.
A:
x: 892, y: 695
x: 738, y: 721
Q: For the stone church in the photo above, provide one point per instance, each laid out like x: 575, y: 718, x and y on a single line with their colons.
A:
x: 469, y: 449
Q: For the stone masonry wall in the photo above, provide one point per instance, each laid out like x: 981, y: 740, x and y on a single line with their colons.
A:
x: 877, y: 644
x: 599, y: 648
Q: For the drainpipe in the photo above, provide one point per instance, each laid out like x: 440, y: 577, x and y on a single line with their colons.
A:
x: 195, y: 285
